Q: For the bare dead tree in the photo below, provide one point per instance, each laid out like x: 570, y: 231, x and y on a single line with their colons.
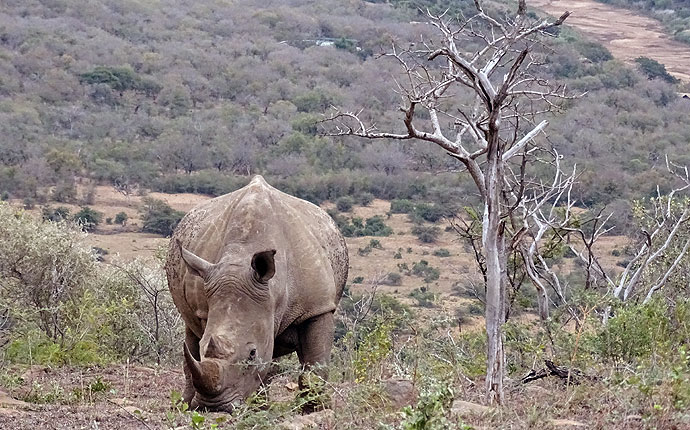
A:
x: 479, y: 101
x: 664, y: 243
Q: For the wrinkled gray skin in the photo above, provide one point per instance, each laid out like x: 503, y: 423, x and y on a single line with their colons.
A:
x: 256, y: 274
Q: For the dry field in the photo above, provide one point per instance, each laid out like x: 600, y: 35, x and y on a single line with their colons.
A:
x: 626, y: 34
x: 458, y: 270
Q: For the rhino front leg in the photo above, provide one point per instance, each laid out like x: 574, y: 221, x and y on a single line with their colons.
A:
x: 314, y: 352
x: 193, y: 344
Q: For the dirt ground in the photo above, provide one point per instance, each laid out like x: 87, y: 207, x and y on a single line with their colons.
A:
x: 61, y: 398
x: 626, y: 34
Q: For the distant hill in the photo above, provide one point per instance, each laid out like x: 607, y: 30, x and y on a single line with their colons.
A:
x: 195, y: 96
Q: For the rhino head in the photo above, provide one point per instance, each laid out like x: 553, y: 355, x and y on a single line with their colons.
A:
x: 237, y: 344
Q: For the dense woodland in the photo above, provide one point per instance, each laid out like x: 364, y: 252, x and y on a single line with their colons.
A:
x: 200, y: 96
x: 197, y: 96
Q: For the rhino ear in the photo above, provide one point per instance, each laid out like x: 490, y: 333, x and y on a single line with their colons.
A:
x: 264, y: 265
x: 195, y: 264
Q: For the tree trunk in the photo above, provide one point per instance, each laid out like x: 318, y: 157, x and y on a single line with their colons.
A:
x: 495, y: 309
x: 496, y: 260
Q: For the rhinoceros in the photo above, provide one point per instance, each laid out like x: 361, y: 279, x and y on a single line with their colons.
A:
x: 255, y: 274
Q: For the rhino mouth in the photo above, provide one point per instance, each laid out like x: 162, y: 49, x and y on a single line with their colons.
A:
x: 215, y: 405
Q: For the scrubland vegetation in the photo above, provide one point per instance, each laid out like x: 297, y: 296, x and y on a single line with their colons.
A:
x: 198, y: 96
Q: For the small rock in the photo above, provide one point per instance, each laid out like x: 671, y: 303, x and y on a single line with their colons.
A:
x: 292, y: 386
x: 463, y: 408
x: 401, y: 392
x: 320, y: 419
x: 566, y: 423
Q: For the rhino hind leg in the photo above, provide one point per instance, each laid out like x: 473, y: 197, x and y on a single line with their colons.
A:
x: 314, y: 352
x: 193, y: 344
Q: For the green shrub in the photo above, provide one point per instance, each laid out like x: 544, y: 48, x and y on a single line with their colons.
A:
x: 58, y: 214
x: 595, y: 52
x: 424, y: 297
x: 401, y: 206
x: 344, y: 204
x: 373, y: 226
x: 475, y: 309
x: 426, y: 234
x: 423, y: 269
x: 432, y: 410
x: 442, y: 252
x: 358, y: 280
x: 375, y: 243
x: 426, y: 212
x: 158, y: 217
x: 88, y: 218
x: 29, y: 203
x: 121, y: 218
x: 45, y: 268
x: 653, y: 69
x: 644, y: 331
x: 365, y: 199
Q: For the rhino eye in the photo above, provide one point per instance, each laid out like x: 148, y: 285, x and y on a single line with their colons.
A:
x: 252, y: 354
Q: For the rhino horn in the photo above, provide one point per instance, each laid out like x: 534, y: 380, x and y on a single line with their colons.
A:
x: 196, y: 264
x: 205, y: 374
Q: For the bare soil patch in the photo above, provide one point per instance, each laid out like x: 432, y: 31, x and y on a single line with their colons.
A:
x: 626, y: 34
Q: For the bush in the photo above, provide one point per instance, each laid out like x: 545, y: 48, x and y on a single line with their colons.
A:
x: 644, y: 331
x: 653, y: 69
x: 423, y: 269
x: 442, y: 252
x: 45, y: 268
x: 58, y: 214
x: 344, y: 204
x: 121, y: 218
x: 423, y: 296
x: 426, y: 234
x: 158, y: 217
x: 373, y: 226
x: 392, y: 279
x: 29, y: 203
x: 401, y: 206
x: 375, y: 243
x: 88, y: 218
x: 65, y: 308
x: 426, y: 212
x: 365, y: 199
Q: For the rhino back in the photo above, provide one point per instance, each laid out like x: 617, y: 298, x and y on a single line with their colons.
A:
x: 311, y: 258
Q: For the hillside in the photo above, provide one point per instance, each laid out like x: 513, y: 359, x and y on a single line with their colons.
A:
x: 197, y: 97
